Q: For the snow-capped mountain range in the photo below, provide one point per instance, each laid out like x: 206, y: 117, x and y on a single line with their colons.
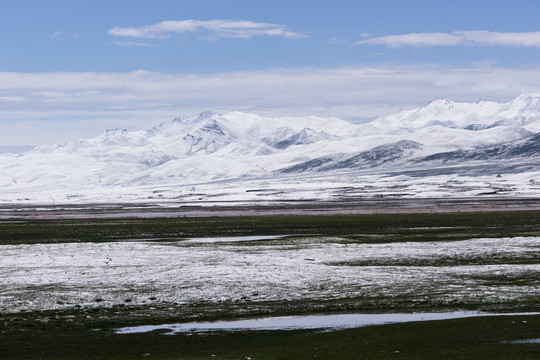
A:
x: 212, y: 155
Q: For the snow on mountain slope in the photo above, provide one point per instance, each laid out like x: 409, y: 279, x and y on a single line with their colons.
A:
x: 527, y: 148
x: 238, y: 147
x: 525, y: 106
x: 442, y: 112
x: 378, y: 156
x: 480, y: 115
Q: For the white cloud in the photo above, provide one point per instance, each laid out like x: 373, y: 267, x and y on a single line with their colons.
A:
x: 61, y: 35
x: 240, y: 29
x: 338, y: 41
x: 466, y: 38
x: 132, y: 44
x: 84, y: 104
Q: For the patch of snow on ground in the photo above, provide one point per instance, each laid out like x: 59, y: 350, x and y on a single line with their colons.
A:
x: 68, y: 275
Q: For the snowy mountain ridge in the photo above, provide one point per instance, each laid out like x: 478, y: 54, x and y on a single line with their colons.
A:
x: 240, y: 147
x: 521, y: 111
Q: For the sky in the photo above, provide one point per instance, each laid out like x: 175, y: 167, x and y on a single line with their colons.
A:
x: 71, y: 69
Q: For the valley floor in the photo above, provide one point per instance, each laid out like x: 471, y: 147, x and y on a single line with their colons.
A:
x: 78, y: 276
x: 338, y: 206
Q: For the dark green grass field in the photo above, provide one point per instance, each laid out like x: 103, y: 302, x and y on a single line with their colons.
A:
x: 88, y: 334
x: 389, y: 227
x: 472, y: 338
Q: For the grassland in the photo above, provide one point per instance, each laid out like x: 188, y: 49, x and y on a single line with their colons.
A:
x: 359, y: 228
x: 475, y: 338
x: 498, y: 280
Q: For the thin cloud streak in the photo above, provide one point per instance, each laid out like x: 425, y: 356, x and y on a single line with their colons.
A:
x: 89, y: 103
x: 458, y: 38
x: 239, y: 29
x: 61, y: 35
x: 132, y: 44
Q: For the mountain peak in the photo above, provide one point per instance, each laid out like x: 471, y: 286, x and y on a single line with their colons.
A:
x: 439, y: 102
x: 115, y: 131
x: 533, y: 95
x: 205, y: 115
x: 528, y: 99
x: 525, y: 104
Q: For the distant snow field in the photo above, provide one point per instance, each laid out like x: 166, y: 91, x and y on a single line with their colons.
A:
x: 92, y: 275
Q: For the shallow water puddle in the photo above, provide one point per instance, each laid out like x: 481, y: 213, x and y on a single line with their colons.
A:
x: 526, y: 341
x: 327, y: 322
x: 234, y: 238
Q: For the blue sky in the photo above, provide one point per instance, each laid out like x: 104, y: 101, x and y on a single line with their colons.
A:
x: 72, y: 69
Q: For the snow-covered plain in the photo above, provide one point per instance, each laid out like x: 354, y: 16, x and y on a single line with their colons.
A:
x: 179, y: 273
x: 245, y: 157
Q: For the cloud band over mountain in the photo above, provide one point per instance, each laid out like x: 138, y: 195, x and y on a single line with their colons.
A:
x: 55, y: 104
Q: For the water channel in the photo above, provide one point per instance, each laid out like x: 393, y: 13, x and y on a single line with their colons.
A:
x: 319, y: 322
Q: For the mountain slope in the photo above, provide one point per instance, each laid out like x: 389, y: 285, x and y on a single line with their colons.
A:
x: 378, y: 156
x: 522, y: 111
x: 238, y: 149
x: 528, y: 147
